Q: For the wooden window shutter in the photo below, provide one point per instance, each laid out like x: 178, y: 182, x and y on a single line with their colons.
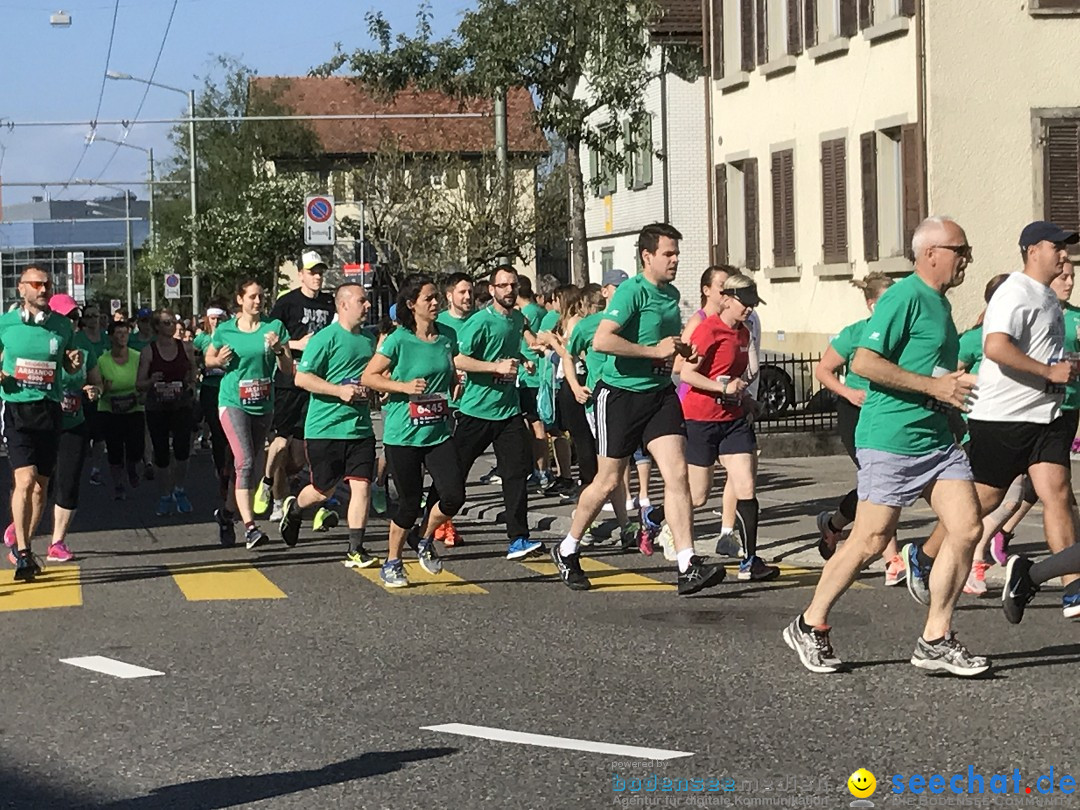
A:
x: 849, y: 18
x: 868, y: 145
x: 794, y: 27
x: 721, y: 216
x: 629, y: 156
x: 746, y: 33
x: 907, y: 8
x: 911, y: 159
x: 1061, y: 174
x: 810, y: 23
x: 866, y: 14
x: 762, y: 31
x: 717, y: 34
x: 594, y: 169
x: 750, y: 198
x: 834, y: 201
x: 645, y: 154
x: 783, y: 208
x: 828, y: 200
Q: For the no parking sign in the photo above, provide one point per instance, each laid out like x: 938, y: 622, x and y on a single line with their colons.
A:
x: 319, y: 220
x: 172, y: 285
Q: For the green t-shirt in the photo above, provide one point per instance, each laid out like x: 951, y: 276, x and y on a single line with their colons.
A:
x: 844, y: 345
x: 645, y: 314
x: 247, y: 383
x: 419, y: 421
x: 33, y: 356
x: 912, y: 326
x: 136, y: 342
x: 454, y: 325
x: 338, y: 356
x: 581, y: 343
x: 490, y: 336
x: 122, y: 396
x: 211, y: 376
x: 71, y: 391
x: 970, y: 354
x: 534, y: 316
x: 83, y: 341
x: 1072, y: 344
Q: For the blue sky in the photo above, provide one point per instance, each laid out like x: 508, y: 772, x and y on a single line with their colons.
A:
x: 55, y: 74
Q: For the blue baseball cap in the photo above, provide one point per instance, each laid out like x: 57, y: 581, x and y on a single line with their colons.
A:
x: 393, y: 312
x: 1041, y: 231
x: 613, y: 278
x: 145, y: 312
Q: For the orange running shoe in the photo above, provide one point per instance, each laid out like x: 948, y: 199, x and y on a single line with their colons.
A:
x: 450, y: 536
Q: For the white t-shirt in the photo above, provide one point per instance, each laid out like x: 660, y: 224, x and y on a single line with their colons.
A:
x: 1030, y: 314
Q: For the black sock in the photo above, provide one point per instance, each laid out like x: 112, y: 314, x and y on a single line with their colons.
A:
x: 746, y: 513
x: 833, y: 525
x: 925, y: 561
x: 356, y: 539
x: 268, y: 481
x: 934, y: 640
x: 803, y: 626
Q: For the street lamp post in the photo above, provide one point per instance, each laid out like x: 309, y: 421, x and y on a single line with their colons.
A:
x: 192, y: 184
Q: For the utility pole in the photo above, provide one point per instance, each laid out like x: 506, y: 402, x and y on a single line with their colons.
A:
x: 502, y: 163
x: 193, y: 190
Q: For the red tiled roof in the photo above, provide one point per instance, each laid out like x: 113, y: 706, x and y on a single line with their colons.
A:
x: 680, y: 19
x: 338, y: 95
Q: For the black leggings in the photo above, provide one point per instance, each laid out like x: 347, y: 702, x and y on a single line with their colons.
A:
x: 163, y: 424
x: 574, y: 419
x: 847, y: 418
x: 407, y: 468
x: 73, y: 448
x: 125, y: 436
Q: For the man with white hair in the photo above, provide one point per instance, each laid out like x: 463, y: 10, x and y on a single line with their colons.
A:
x: 906, y: 450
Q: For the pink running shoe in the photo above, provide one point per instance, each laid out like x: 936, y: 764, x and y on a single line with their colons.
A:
x: 59, y: 552
x: 895, y: 573
x: 1076, y: 445
x: 976, y: 581
x: 9, y: 536
x: 11, y: 558
x: 999, y: 547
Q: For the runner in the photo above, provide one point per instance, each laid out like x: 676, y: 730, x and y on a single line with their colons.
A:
x: 338, y: 435
x: 636, y: 404
x: 529, y: 380
x: 121, y: 409
x: 93, y: 338
x: 716, y: 408
x: 250, y: 350
x: 36, y: 345
x: 144, y: 332
x: 209, y: 389
x: 1017, y: 424
x: 850, y: 396
x: 415, y: 366
x: 303, y: 311
x: 906, y: 450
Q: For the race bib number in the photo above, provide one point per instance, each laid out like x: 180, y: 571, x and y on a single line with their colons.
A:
x: 168, y: 391
x: 504, y: 379
x: 364, y: 392
x: 663, y: 368
x: 124, y: 403
x: 214, y: 372
x: 1056, y: 389
x: 37, y: 374
x: 255, y: 392
x: 71, y: 402
x: 936, y: 405
x: 428, y: 409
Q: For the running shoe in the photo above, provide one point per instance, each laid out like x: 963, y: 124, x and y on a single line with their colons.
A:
x: 1070, y: 604
x: 895, y: 571
x: 9, y: 535
x: 537, y: 481
x: 491, y: 477
x: 59, y: 552
x: 183, y: 505
x: 429, y: 560
x: 667, y: 543
x: 829, y: 536
x: 571, y: 495
x: 648, y: 534
x: 1075, y: 445
x: 360, y: 559
x: 392, y: 574
x: 325, y: 520
x: 522, y: 547
x: 728, y: 545
x: 226, y: 530
x: 700, y: 575
x: 263, y: 497
x: 813, y: 647
x: 165, y: 506
x: 999, y: 547
x: 569, y: 568
x: 755, y: 569
x: 918, y: 580
x: 448, y: 535
x: 587, y: 539
x: 948, y: 655
x: 1019, y: 589
x: 563, y: 487
x: 378, y: 500
x: 95, y: 477
x: 26, y: 566
x: 255, y: 537
x: 976, y: 581
x: 289, y: 525
x: 12, y: 558
x: 276, y: 512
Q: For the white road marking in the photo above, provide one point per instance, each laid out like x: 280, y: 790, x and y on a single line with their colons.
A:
x: 110, y: 666
x: 546, y: 741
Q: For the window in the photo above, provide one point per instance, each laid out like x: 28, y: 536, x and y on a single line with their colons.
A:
x: 1055, y: 7
x: 717, y: 31
x: 825, y: 20
x: 638, y: 148
x: 737, y: 214
x: 778, y: 29
x: 875, y: 12
x: 834, y: 201
x: 607, y: 260
x: 1061, y: 171
x: 783, y: 193
x: 892, y: 192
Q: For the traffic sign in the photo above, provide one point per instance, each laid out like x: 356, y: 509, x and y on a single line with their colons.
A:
x: 172, y: 285
x: 77, y: 276
x: 114, y: 306
x: 319, y: 220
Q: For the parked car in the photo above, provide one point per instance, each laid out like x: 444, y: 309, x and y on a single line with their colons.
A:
x: 787, y: 382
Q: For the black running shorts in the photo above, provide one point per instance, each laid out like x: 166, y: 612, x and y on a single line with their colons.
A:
x: 331, y: 460
x: 627, y: 420
x: 1000, y: 451
x: 290, y: 411
x: 707, y: 441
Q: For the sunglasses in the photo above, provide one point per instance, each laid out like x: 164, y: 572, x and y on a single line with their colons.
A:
x: 963, y: 251
x: 39, y: 285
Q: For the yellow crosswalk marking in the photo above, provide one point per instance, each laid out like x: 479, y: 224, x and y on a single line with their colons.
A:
x: 203, y: 583
x: 56, y: 586
x: 421, y: 583
x: 606, y: 577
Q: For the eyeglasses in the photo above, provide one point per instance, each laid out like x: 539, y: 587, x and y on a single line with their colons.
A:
x: 39, y: 285
x: 963, y: 251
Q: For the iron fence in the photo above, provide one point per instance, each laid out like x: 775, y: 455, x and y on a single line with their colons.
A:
x: 791, y: 399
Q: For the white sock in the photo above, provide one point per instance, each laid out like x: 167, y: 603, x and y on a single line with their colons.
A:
x: 630, y: 505
x: 644, y: 503
x: 724, y: 532
x: 569, y: 545
x: 684, y: 558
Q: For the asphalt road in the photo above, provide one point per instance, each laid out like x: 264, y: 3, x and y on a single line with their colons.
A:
x: 303, y: 684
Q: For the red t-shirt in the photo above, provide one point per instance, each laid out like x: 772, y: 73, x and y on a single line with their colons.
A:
x: 724, y: 350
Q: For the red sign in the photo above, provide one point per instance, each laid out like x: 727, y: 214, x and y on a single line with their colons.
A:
x: 78, y: 273
x: 352, y: 269
x: 320, y: 209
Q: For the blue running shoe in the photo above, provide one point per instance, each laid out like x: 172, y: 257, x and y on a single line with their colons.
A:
x: 522, y: 547
x: 429, y: 560
x: 393, y: 574
x: 165, y: 505
x: 183, y: 505
x: 918, y: 577
x: 1070, y: 605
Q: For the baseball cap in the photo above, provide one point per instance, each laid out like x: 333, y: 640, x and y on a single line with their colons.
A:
x: 63, y: 304
x: 393, y: 312
x: 613, y: 277
x: 747, y: 296
x: 1041, y: 231
x: 143, y: 313
x: 311, y: 259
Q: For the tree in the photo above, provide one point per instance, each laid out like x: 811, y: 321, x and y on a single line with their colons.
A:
x: 582, y: 60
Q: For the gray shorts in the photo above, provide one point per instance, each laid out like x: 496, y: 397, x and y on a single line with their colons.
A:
x: 889, y: 479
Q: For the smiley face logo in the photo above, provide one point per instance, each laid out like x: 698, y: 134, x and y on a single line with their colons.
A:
x: 862, y: 784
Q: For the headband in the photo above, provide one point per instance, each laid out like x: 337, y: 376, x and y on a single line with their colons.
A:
x: 215, y: 312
